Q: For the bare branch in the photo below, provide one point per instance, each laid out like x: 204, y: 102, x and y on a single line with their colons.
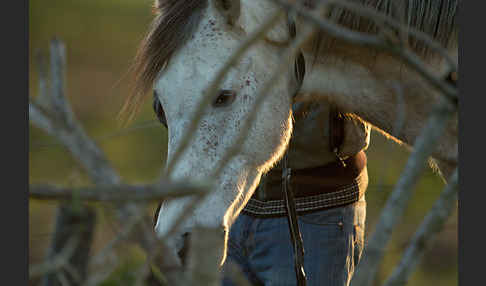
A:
x: 375, y: 41
x: 398, y: 200
x: 77, y: 142
x: 54, y: 115
x: 60, y: 122
x: 205, y: 253
x: 61, y: 277
x: 190, y: 132
x: 372, y: 14
x: 72, y: 222
x: 51, y: 112
x: 211, y: 91
x: 235, y: 148
x: 288, y: 55
x: 102, y: 138
x: 122, y: 193
x: 58, y: 66
x: 73, y: 273
x: 42, y: 98
x: 56, y: 262
x: 431, y: 225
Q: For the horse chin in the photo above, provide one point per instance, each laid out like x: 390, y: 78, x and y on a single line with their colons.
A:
x: 250, y: 175
x: 244, y: 194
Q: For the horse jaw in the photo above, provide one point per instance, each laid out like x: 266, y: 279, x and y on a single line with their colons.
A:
x: 232, y: 188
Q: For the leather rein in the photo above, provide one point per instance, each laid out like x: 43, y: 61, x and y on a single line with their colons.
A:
x: 335, y: 141
x: 289, y: 199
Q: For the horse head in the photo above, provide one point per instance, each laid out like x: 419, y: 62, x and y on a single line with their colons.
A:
x: 190, y: 43
x: 207, y: 34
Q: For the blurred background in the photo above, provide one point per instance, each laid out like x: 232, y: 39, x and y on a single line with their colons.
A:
x: 101, y: 38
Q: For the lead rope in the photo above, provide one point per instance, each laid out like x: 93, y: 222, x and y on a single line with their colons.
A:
x: 295, y: 235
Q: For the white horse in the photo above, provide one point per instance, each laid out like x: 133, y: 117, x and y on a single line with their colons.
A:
x: 191, y: 40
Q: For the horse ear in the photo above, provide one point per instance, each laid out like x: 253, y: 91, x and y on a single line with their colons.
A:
x: 230, y: 8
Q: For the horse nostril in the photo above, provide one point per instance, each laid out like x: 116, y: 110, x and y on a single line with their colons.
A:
x: 225, y: 98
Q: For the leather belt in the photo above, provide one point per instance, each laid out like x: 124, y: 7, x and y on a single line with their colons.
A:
x: 315, y: 189
x: 330, y: 178
x: 342, y: 196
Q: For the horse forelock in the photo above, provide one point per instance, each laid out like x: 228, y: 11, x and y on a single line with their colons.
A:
x: 174, y: 23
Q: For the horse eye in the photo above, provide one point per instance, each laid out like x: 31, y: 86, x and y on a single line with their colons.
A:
x: 159, y: 110
x: 225, y: 98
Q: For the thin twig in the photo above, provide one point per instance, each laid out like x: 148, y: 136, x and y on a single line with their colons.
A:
x: 57, y: 119
x: 121, y: 193
x: 61, y: 277
x: 99, y: 139
x: 262, y: 95
x: 396, y: 204
x: 60, y: 122
x: 375, y: 41
x: 205, y: 252
x: 56, y: 262
x: 376, y: 16
x: 74, y: 273
x: 107, y: 250
x: 77, y: 142
x: 431, y: 225
x: 236, y: 147
x: 189, y: 134
x: 211, y: 91
x: 396, y: 130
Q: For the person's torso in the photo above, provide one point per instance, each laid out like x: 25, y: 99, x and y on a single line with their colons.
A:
x: 310, y: 143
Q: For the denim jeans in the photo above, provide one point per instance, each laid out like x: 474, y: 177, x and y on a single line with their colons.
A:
x: 333, y: 244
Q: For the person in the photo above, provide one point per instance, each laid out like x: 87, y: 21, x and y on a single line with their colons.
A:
x: 329, y: 179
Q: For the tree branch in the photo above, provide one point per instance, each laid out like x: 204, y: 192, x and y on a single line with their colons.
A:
x: 117, y: 193
x: 53, y: 114
x: 375, y: 41
x: 211, y: 91
x: 398, y: 200
x: 56, y: 262
x: 205, y: 253
x: 431, y: 225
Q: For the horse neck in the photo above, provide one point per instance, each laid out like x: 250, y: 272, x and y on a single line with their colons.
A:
x: 379, y: 89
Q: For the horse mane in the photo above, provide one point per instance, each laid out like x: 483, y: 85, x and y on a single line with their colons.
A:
x: 176, y: 20
x: 436, y: 18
